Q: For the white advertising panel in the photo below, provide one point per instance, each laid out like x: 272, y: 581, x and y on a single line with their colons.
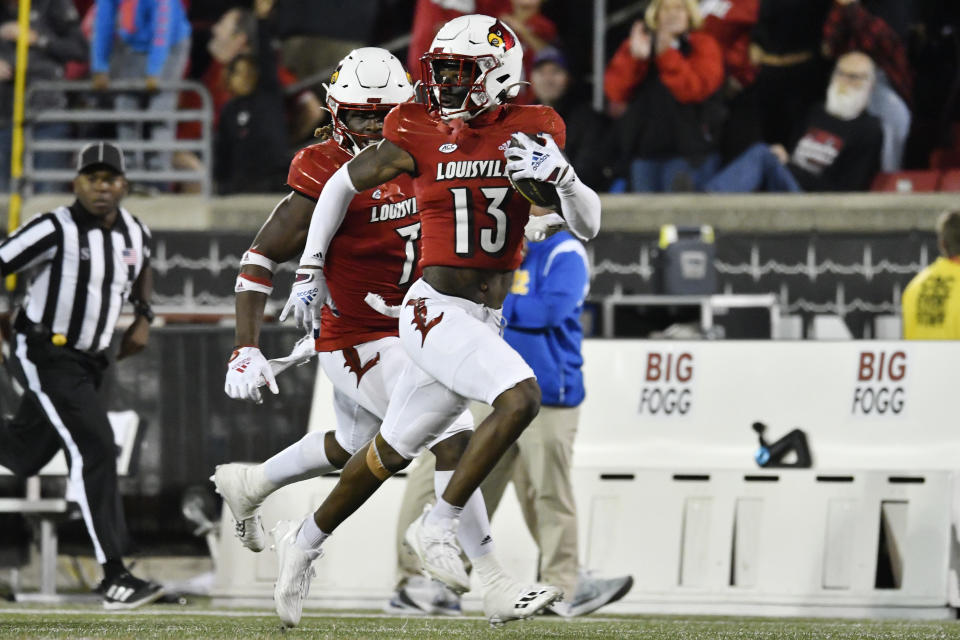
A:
x: 863, y: 405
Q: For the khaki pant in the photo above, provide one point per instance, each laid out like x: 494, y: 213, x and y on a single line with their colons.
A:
x: 539, y: 465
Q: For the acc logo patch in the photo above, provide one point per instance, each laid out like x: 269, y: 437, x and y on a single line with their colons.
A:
x: 377, y: 194
x: 448, y: 147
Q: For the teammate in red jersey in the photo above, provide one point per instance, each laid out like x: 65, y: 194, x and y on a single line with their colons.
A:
x: 374, y: 251
x: 471, y: 227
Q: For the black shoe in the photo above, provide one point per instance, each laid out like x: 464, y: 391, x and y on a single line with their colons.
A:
x: 126, y: 591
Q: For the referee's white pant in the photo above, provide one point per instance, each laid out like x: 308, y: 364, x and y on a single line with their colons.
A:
x: 61, y: 410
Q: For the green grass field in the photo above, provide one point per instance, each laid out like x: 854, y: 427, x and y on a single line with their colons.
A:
x: 172, y: 621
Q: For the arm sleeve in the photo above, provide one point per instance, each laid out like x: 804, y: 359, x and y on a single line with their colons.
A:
x: 160, y: 38
x: 327, y: 216
x: 696, y: 78
x: 623, y: 74
x: 580, y: 207
x: 563, y: 290
x: 104, y: 25
x: 29, y: 245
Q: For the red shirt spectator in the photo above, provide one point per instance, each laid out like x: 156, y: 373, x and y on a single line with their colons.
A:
x: 690, y: 78
x: 670, y: 78
x: 731, y: 22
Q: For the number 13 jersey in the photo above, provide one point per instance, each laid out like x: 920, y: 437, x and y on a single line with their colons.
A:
x: 374, y: 250
x: 470, y: 216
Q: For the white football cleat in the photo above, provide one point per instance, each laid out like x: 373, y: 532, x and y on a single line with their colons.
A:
x: 428, y: 596
x: 591, y: 593
x: 437, y: 548
x: 232, y: 482
x: 294, y: 573
x: 505, y: 600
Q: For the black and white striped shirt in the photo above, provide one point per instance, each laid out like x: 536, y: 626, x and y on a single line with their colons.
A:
x: 81, y: 273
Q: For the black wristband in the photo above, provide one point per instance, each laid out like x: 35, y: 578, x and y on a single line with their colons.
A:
x: 143, y: 309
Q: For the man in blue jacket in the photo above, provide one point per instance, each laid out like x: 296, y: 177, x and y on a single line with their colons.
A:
x: 542, y: 317
x: 145, y: 40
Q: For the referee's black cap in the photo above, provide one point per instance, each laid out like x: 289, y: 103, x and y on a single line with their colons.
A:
x: 100, y: 154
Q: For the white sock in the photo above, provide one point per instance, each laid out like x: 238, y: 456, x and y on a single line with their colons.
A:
x: 443, y: 510
x: 310, y: 537
x: 487, y: 569
x: 474, y: 531
x: 305, y: 458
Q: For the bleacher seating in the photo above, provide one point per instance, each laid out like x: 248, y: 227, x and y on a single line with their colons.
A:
x: 950, y: 181
x: 907, y: 181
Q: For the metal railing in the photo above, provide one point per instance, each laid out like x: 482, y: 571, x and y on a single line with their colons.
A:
x: 106, y: 115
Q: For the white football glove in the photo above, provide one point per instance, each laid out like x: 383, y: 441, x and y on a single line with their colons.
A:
x: 541, y: 162
x: 307, y: 299
x: 539, y: 228
x: 247, y: 371
x: 301, y: 354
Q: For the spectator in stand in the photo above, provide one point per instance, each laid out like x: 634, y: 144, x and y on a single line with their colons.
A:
x: 662, y: 83
x: 931, y: 302
x: 552, y: 85
x: 851, y: 26
x: 792, y: 75
x: 54, y: 39
x: 840, y: 150
x: 235, y: 33
x: 731, y: 24
x: 430, y: 15
x: 251, y: 151
x: 147, y: 40
x: 535, y: 30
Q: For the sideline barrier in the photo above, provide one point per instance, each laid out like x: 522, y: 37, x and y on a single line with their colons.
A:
x: 673, y: 496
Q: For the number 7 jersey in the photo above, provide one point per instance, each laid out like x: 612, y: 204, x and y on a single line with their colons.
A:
x: 375, y: 249
x: 470, y: 216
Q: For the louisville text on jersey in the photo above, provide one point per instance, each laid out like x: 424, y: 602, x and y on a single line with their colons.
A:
x: 459, y: 169
x: 393, y: 210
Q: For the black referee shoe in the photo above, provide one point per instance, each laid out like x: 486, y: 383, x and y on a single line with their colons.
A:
x: 126, y: 591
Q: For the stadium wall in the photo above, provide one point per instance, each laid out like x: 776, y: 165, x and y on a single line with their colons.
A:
x: 668, y: 490
x: 846, y: 255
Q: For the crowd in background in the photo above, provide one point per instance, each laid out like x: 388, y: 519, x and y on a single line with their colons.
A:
x: 716, y: 95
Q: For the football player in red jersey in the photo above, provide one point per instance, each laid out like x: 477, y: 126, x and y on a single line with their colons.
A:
x: 472, y: 224
x: 374, y: 251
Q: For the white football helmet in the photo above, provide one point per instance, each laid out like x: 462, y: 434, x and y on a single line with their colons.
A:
x: 367, y: 79
x: 474, y: 64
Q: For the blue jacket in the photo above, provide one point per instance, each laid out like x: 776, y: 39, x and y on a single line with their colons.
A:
x: 146, y: 26
x: 542, y: 312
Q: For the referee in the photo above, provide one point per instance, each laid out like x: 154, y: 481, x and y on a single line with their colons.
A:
x: 82, y: 262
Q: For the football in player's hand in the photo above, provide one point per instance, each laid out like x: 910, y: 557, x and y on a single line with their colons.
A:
x: 542, y: 194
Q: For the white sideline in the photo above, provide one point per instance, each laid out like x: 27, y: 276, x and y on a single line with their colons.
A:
x: 210, y: 613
